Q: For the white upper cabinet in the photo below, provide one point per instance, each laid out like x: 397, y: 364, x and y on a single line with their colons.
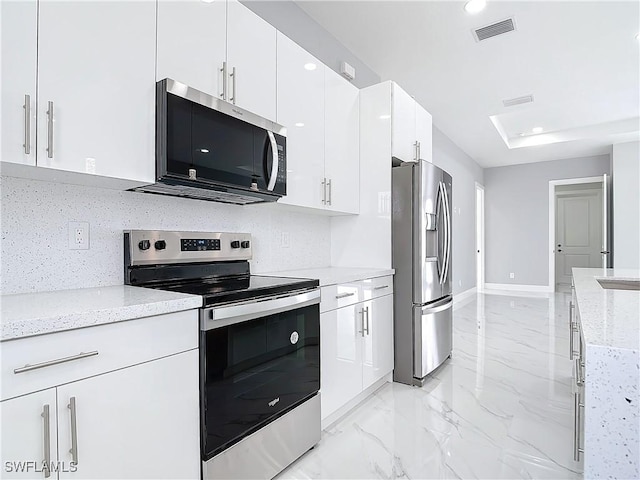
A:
x: 192, y: 43
x: 424, y: 133
x: 411, y: 127
x: 342, y: 145
x: 403, y: 125
x: 96, y: 88
x: 251, y: 61
x: 301, y: 109
x: 19, y: 30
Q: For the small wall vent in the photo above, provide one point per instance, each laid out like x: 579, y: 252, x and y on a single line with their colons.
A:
x: 517, y: 101
x: 505, y: 26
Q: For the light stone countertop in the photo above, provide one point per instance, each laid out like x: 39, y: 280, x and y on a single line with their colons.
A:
x: 609, y: 318
x: 28, y: 314
x: 334, y: 275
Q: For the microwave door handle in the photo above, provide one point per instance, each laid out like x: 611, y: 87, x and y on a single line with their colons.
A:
x: 274, y: 163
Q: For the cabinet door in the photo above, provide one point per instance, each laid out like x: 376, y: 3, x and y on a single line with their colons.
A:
x: 96, y: 64
x: 377, y: 355
x: 19, y: 22
x: 251, y: 50
x: 403, y: 125
x: 138, y: 422
x: 342, y: 143
x: 192, y: 43
x: 424, y: 133
x: 340, y: 357
x: 24, y: 435
x: 301, y: 110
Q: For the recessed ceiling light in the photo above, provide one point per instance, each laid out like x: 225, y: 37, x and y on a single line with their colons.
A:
x: 208, y: 1
x: 310, y: 66
x: 299, y: 124
x: 204, y: 150
x: 536, y: 129
x: 474, y: 6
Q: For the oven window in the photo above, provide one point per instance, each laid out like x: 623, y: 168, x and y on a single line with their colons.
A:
x: 255, y: 371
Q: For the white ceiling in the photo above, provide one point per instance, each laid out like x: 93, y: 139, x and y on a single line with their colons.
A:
x: 579, y: 59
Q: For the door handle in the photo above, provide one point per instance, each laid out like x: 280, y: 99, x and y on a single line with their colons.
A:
x: 50, y: 130
x: 324, y: 191
x: 605, y: 252
x: 223, y: 70
x: 47, y: 441
x: 27, y: 125
x: 74, y: 430
x: 233, y: 76
x: 329, y: 196
x: 274, y: 161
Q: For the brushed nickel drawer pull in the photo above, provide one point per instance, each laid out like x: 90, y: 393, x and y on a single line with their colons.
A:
x: 47, y: 441
x: 381, y: 287
x: 74, y: 429
x: 345, y: 295
x: 28, y: 368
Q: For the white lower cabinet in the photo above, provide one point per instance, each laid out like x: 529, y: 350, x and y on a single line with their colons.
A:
x: 89, y: 416
x: 28, y: 433
x: 356, y: 348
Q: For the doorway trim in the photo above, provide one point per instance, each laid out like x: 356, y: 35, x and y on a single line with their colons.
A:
x: 480, y: 237
x: 552, y: 220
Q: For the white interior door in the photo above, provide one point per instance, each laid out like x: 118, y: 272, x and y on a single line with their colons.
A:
x: 479, y: 237
x: 578, y: 234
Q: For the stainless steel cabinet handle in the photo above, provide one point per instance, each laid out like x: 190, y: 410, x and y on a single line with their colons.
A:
x: 324, y: 191
x: 50, y: 130
x: 381, y: 287
x: 345, y: 295
x: 576, y: 427
x: 366, y: 309
x: 47, y: 441
x: 223, y: 70
x: 74, y: 430
x: 362, y: 322
x: 415, y: 151
x: 571, y: 330
x: 579, y: 379
x: 233, y: 85
x: 329, y: 197
x: 419, y: 152
x: 27, y: 125
x: 28, y: 368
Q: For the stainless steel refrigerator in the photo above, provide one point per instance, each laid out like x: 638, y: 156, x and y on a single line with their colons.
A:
x: 423, y: 321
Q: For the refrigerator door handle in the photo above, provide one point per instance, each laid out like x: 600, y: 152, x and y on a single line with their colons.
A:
x: 443, y: 210
x: 438, y: 306
x: 447, y: 210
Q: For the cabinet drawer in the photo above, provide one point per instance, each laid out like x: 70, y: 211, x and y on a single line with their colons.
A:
x: 340, y: 295
x: 377, y: 287
x: 118, y: 345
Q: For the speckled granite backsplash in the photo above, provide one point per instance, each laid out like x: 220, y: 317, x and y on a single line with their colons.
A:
x: 35, y: 217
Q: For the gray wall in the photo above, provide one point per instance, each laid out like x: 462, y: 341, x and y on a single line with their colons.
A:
x: 626, y: 205
x: 294, y: 22
x: 517, y: 216
x: 465, y: 172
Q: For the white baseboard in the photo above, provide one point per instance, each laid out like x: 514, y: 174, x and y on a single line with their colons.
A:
x: 517, y: 288
x: 461, y: 297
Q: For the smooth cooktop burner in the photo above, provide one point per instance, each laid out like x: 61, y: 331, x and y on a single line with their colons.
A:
x: 216, y: 290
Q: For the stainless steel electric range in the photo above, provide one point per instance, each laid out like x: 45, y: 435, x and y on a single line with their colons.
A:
x: 259, y: 348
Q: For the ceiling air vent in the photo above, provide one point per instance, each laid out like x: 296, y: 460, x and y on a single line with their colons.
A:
x: 517, y: 101
x: 505, y: 26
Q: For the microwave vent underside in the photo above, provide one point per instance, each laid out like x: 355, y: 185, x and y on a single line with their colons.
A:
x: 199, y: 193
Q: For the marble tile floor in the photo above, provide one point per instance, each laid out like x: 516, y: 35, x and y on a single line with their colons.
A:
x: 501, y: 407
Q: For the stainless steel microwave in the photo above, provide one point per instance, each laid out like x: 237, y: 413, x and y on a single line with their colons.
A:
x: 209, y: 149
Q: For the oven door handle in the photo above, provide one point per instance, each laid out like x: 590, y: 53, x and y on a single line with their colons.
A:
x: 217, y: 317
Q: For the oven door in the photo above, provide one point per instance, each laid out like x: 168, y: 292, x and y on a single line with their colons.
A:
x: 258, y: 360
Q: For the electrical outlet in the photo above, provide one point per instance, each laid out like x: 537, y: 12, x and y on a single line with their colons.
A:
x: 512, y: 275
x: 284, y: 240
x: 79, y: 235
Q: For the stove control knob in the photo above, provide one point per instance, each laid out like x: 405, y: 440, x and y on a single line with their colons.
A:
x: 245, y: 244
x: 160, y: 244
x: 235, y: 244
x: 144, y: 244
